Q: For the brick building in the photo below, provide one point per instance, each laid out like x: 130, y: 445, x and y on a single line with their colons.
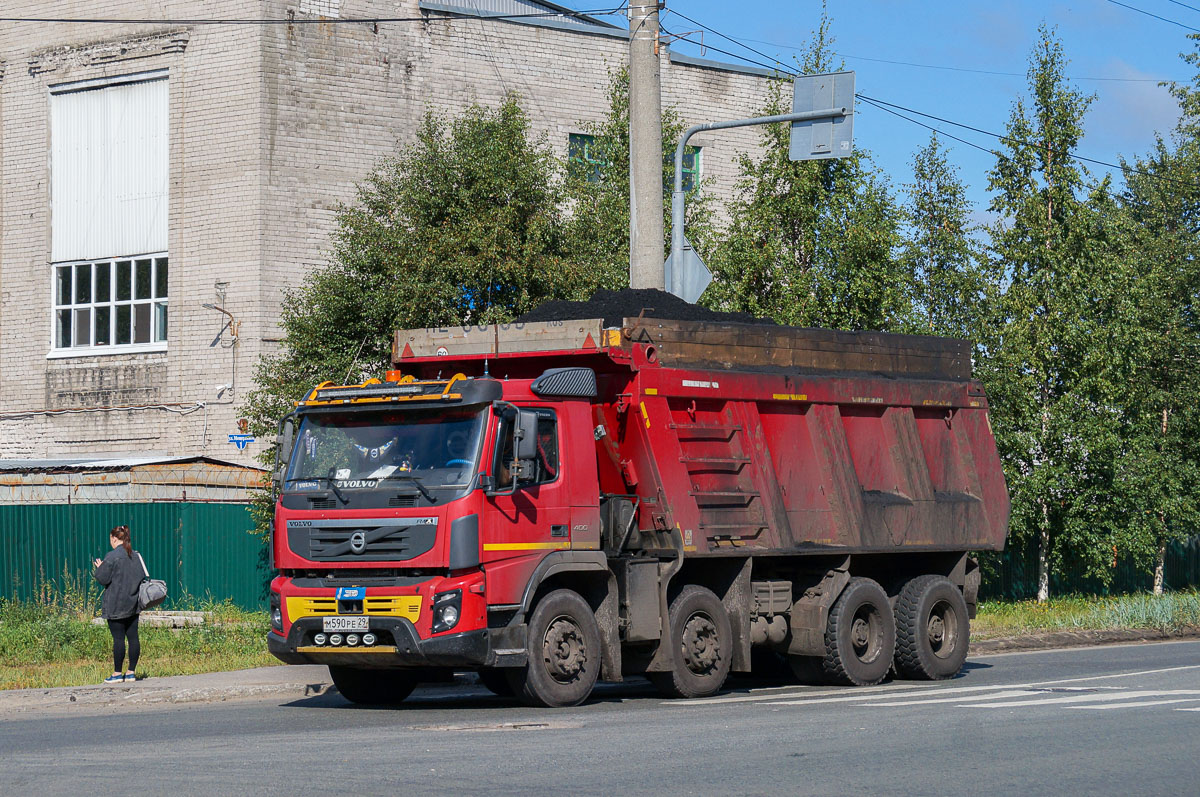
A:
x: 165, y: 182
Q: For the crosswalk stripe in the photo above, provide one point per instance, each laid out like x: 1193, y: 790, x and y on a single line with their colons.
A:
x: 1007, y: 695
x: 1140, y: 703
x: 793, y: 692
x: 1090, y: 698
x: 791, y: 696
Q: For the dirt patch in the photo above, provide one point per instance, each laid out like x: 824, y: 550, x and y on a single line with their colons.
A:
x: 615, y: 306
x: 1076, y: 639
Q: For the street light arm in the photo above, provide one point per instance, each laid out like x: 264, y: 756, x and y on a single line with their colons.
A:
x: 678, y: 196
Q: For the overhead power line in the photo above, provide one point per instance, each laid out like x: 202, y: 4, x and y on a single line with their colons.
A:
x: 1156, y: 16
x: 1185, y: 5
x: 1010, y: 140
x: 741, y: 42
x: 738, y: 56
x: 303, y: 20
x: 787, y: 68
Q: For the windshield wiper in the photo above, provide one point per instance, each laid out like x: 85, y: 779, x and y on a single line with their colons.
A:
x: 408, y: 477
x: 328, y: 480
x: 333, y: 486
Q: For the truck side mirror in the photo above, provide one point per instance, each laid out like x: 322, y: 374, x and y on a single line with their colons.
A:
x: 284, y: 442
x: 525, y: 442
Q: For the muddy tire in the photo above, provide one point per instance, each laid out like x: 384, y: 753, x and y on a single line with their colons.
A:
x: 860, y: 635
x: 932, y: 629
x: 373, y: 687
x: 496, y: 680
x: 702, y: 640
x: 564, y: 653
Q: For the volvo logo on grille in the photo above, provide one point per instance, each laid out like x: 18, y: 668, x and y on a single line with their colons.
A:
x: 358, y: 542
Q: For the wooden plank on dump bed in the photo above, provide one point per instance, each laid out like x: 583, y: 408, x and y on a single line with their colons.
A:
x: 717, y: 345
x: 498, y: 338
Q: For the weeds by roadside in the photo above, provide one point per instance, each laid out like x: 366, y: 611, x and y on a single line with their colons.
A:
x: 1169, y: 612
x: 52, y: 641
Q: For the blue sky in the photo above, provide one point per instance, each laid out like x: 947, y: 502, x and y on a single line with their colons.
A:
x: 1101, y: 39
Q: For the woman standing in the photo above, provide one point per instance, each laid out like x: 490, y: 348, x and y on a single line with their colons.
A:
x: 121, y: 574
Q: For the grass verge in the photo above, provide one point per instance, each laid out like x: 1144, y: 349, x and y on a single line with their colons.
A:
x: 52, y: 642
x: 1172, y: 611
x: 48, y: 643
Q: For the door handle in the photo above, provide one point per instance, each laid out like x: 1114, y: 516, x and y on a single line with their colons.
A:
x: 558, y: 531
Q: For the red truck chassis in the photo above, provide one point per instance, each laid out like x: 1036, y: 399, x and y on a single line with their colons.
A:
x: 556, y: 503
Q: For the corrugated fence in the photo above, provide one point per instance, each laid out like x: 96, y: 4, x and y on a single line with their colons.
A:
x: 1013, y: 574
x: 202, y: 550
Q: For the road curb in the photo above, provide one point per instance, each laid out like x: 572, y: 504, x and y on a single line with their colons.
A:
x: 1076, y: 639
x: 22, y: 700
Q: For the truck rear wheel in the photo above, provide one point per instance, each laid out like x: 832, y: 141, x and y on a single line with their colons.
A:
x: 702, y: 640
x: 932, y: 629
x: 564, y: 653
x: 373, y: 687
x: 860, y: 635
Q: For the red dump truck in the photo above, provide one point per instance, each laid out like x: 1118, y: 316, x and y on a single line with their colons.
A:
x: 554, y: 503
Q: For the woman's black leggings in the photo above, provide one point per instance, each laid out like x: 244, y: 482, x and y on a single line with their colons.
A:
x: 125, y: 627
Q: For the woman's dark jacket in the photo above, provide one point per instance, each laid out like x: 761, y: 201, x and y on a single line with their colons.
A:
x: 121, y: 577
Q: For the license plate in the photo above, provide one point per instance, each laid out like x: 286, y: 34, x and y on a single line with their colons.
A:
x: 341, y: 623
x: 351, y: 593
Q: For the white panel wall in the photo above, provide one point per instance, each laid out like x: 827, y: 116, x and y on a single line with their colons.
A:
x: 108, y: 170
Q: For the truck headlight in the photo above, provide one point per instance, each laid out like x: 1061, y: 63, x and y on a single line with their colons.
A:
x: 447, y: 606
x: 276, y: 613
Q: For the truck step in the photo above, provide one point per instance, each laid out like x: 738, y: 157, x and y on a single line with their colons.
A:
x: 747, y: 494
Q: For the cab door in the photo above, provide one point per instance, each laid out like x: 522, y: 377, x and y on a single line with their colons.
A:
x: 522, y: 526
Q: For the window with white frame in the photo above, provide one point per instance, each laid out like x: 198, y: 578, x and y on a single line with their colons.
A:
x: 107, y: 303
x: 108, y: 183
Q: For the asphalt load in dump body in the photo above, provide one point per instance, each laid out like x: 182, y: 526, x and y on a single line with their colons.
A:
x: 615, y: 306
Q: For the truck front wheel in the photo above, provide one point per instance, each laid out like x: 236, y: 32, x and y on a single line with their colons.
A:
x: 702, y: 640
x: 564, y: 653
x: 932, y: 629
x: 373, y: 687
x: 860, y: 635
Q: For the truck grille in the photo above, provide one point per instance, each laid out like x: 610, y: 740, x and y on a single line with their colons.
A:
x: 362, y: 539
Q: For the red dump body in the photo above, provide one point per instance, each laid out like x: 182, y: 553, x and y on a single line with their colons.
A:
x: 764, y: 439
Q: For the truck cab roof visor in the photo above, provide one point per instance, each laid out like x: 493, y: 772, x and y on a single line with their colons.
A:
x: 570, y: 382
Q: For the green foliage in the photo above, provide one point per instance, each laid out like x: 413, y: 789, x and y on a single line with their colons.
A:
x: 1155, y: 339
x: 1049, y: 249
x: 941, y: 252
x: 812, y: 243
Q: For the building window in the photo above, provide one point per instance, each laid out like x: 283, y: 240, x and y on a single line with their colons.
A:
x: 108, y: 184
x: 582, y: 154
x: 106, y: 303
x: 691, y: 168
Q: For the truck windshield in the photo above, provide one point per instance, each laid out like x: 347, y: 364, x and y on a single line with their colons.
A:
x: 361, y: 450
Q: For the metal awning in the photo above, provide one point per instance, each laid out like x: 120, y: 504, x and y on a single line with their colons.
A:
x: 126, y: 479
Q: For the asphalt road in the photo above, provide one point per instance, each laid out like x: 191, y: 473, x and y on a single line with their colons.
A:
x: 1097, y: 721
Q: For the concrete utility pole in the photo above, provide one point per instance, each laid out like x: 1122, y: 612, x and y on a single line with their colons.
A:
x: 645, y: 148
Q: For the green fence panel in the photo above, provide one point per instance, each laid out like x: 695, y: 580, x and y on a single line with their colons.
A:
x: 1012, y: 575
x: 221, y: 559
x: 201, y: 550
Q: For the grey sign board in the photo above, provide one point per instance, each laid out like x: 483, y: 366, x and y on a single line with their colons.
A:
x: 819, y: 139
x: 689, y: 274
